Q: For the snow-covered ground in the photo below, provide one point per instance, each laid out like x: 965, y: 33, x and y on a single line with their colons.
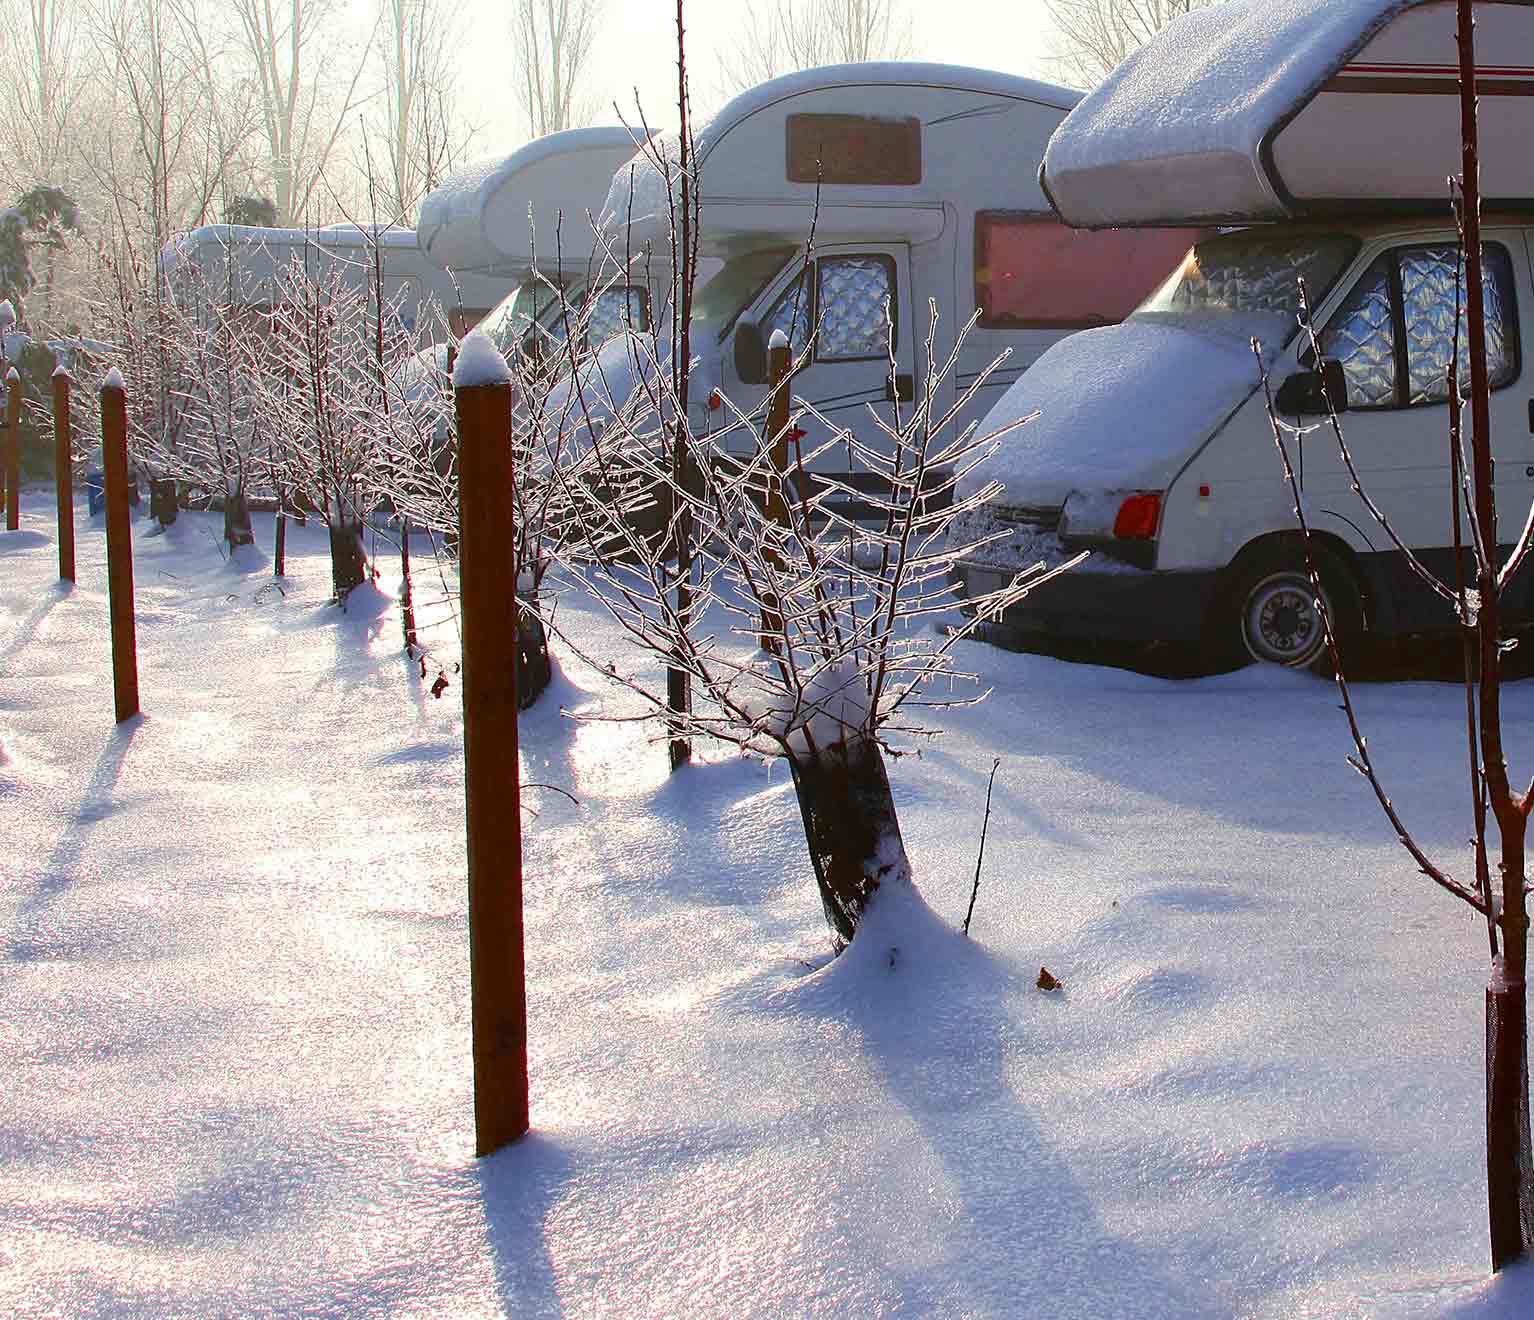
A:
x: 234, y: 1056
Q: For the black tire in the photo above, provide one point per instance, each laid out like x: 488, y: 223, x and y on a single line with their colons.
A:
x: 1270, y: 614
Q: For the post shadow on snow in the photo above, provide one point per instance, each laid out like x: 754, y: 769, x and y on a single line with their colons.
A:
x: 519, y: 1186
x: 931, y: 1010
x: 22, y: 539
x: 26, y: 632
x: 61, y: 871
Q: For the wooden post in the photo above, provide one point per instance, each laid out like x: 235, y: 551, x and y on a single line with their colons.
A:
x: 114, y: 446
x: 492, y: 791
x: 12, y: 450
x: 778, y: 355
x: 406, y: 596
x: 64, y: 473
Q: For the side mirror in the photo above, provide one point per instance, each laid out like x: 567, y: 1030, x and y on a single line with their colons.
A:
x: 1301, y: 394
x: 750, y: 354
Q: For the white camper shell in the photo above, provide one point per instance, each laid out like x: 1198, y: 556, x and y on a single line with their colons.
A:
x: 528, y: 219
x: 912, y: 184
x: 251, y: 257
x: 1153, y: 445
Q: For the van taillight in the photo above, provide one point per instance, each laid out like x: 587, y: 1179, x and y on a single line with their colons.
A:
x: 1137, y: 516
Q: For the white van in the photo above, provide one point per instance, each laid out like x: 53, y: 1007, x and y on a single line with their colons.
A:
x: 252, y: 256
x: 1153, y: 446
x: 527, y: 218
x: 912, y: 182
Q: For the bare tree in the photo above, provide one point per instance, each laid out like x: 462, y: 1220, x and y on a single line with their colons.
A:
x: 554, y: 40
x: 417, y: 42
x: 1095, y: 36
x: 804, y: 34
x: 48, y: 65
x: 295, y: 57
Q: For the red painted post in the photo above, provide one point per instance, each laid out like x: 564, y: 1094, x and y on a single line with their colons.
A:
x: 64, y: 474
x: 114, y: 446
x: 492, y: 790
x: 12, y: 450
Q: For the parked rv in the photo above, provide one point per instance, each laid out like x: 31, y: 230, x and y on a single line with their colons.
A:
x: 1336, y: 126
x: 911, y: 185
x: 251, y: 258
x: 528, y: 218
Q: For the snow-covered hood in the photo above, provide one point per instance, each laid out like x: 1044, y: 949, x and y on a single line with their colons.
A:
x: 1122, y: 407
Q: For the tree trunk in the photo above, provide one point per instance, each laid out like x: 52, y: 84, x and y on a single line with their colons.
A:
x: 850, y: 827
x: 237, y: 529
x: 1509, y: 1166
x: 162, y: 500
x: 348, y: 559
x: 534, y: 668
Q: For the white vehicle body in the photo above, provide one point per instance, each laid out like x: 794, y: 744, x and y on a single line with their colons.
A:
x: 1153, y: 442
x: 911, y: 185
x: 531, y: 220
x: 249, y: 258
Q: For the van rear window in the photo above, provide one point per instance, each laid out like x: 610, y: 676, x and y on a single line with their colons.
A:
x: 854, y: 149
x: 1031, y: 270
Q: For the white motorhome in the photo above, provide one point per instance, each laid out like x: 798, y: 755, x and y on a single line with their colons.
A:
x: 1335, y: 126
x: 251, y: 258
x: 908, y: 184
x: 527, y: 218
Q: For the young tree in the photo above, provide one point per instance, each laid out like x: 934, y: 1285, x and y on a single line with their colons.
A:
x: 786, y: 35
x: 1509, y: 1151
x: 1095, y: 36
x: 554, y: 40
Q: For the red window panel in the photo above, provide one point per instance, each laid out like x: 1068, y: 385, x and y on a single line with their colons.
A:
x: 1031, y: 270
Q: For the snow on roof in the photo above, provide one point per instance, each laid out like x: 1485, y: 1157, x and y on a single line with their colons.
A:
x: 1174, y: 135
x: 640, y: 189
x: 455, y: 228
x: 205, y: 238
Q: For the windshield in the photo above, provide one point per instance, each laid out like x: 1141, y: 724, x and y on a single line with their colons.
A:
x: 1244, y: 281
x: 718, y: 303
x: 511, y: 317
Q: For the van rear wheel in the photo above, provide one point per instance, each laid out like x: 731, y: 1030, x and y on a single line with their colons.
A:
x: 1276, y: 619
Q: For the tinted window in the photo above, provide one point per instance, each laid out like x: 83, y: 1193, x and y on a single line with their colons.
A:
x: 1031, y: 270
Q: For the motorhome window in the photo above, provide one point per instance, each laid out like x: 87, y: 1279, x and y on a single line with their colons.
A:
x: 1252, y: 283
x: 1429, y: 278
x: 855, y: 308
x: 1395, y: 333
x: 1362, y: 336
x: 1031, y: 270
x: 613, y: 310
x: 718, y: 304
x: 865, y: 149
x: 792, y: 314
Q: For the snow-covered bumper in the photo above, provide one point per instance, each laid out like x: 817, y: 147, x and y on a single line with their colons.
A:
x: 1105, y: 598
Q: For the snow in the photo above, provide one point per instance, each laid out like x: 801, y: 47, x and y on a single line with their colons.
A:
x: 1172, y: 136
x: 480, y: 362
x: 7, y: 315
x: 113, y: 380
x: 233, y: 960
x: 1122, y: 405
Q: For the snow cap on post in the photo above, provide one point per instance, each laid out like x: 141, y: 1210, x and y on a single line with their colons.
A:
x: 114, y: 380
x: 11, y: 375
x: 778, y: 339
x: 7, y: 315
x: 479, y: 362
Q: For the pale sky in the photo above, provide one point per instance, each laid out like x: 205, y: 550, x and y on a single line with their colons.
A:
x: 637, y: 48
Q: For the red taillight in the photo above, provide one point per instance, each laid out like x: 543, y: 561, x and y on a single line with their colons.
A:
x: 715, y: 401
x: 1137, y: 517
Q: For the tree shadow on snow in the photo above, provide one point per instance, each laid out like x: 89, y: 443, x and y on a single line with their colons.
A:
x: 936, y: 1016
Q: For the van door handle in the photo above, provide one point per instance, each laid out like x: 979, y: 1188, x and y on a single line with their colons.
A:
x: 901, y: 388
